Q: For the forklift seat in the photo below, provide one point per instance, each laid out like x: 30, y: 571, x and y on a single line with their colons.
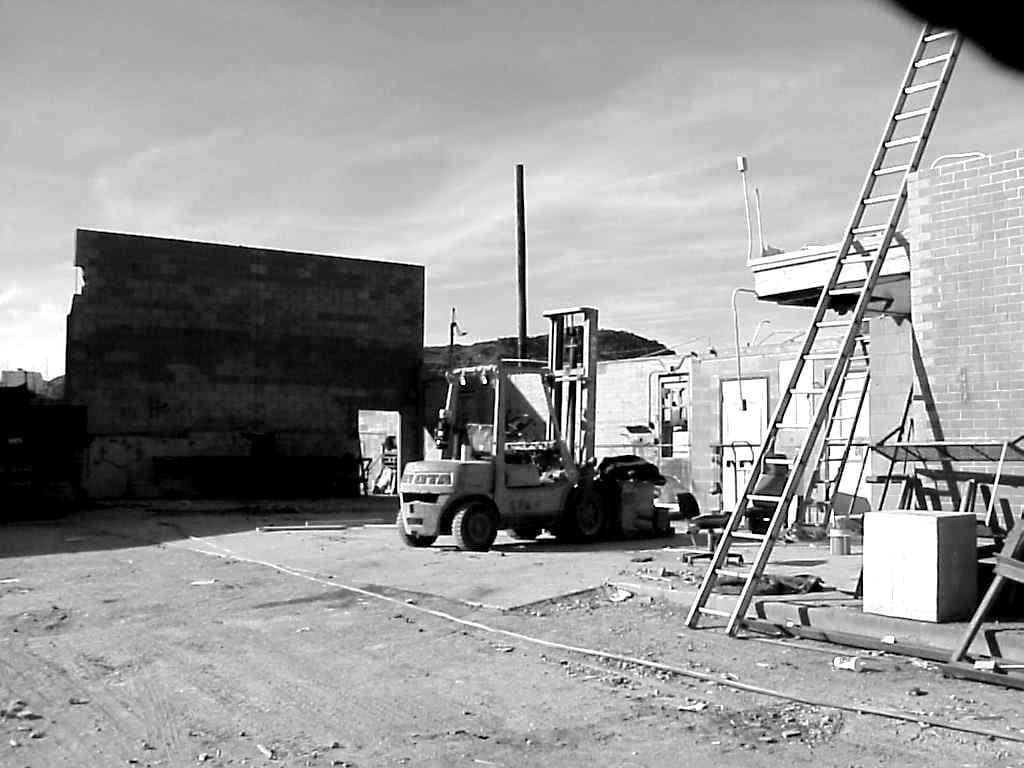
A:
x: 481, y: 439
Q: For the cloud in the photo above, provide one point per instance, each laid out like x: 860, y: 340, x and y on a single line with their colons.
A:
x: 391, y: 133
x: 9, y: 294
x: 32, y: 337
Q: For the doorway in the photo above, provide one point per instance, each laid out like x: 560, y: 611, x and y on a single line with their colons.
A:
x: 378, y: 451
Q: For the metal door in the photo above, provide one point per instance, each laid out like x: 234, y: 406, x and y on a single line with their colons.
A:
x: 743, y: 431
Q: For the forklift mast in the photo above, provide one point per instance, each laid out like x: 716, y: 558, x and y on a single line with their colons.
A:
x: 572, y: 359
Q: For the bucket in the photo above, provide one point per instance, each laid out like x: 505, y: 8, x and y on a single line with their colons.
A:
x: 838, y: 542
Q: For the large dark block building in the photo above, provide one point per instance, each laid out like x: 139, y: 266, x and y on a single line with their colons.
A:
x: 211, y: 369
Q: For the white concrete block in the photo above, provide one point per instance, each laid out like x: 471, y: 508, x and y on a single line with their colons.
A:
x: 920, y: 564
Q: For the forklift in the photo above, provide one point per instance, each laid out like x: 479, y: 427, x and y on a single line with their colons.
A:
x: 517, y: 452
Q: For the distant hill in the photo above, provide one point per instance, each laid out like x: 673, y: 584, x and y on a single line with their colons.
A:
x: 611, y: 345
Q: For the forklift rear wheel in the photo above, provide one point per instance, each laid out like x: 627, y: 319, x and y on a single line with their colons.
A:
x: 413, y: 539
x: 525, y: 534
x: 474, y: 527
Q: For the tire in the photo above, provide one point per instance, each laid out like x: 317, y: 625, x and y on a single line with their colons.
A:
x: 585, y: 520
x: 474, y: 527
x: 525, y: 533
x: 688, y: 506
x: 412, y: 539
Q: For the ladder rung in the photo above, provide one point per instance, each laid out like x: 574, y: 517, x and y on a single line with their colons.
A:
x: 782, y: 462
x: 887, y: 478
x: 858, y: 259
x: 870, y: 228
x: 714, y: 612
x: 849, y: 397
x: 912, y: 113
x: 895, y: 168
x: 791, y: 426
x: 898, y: 142
x: 938, y: 35
x: 824, y: 355
x: 922, y: 87
x: 762, y: 497
x: 833, y: 323
x: 880, y: 199
x: 747, y: 536
x: 845, y: 292
x: 734, y: 574
x: 932, y: 60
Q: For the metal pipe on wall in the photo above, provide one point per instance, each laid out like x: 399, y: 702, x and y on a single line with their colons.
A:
x: 736, y: 329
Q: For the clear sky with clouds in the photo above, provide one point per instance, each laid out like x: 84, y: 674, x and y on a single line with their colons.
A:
x: 391, y: 130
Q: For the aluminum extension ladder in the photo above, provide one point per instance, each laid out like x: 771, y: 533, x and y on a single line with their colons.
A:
x: 867, y: 238
x: 853, y: 388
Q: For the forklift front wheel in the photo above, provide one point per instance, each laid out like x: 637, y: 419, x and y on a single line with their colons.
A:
x: 413, y: 539
x: 474, y: 527
x: 585, y: 519
x: 591, y: 519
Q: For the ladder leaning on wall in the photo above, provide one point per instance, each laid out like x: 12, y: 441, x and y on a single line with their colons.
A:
x: 868, y: 236
x: 840, y: 435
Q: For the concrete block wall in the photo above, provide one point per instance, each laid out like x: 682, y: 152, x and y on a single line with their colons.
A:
x: 892, y: 375
x: 706, y: 423
x: 967, y: 292
x: 627, y: 394
x: 171, y: 337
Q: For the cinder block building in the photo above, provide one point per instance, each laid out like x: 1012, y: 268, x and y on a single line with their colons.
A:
x: 946, y: 325
x: 949, y: 316
x: 210, y: 369
x: 682, y: 412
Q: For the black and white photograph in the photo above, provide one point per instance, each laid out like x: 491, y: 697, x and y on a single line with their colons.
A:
x: 477, y: 384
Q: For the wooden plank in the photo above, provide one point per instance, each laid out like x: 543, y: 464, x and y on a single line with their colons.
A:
x: 1012, y: 481
x: 968, y: 672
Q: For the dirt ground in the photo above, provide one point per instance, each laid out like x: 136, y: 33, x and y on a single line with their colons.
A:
x: 168, y: 636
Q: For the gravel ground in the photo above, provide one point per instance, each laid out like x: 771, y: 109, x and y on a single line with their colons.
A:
x: 118, y: 650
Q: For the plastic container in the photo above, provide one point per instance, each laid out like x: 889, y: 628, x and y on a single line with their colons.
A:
x: 838, y: 542
x: 851, y: 663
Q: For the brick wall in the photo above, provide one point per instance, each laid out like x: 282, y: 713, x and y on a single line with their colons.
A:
x: 172, y: 338
x: 967, y: 292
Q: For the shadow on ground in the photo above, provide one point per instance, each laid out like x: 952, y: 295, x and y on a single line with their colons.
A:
x: 108, y: 526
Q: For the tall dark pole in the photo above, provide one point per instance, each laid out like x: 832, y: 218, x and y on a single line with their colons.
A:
x: 451, y: 340
x: 521, y: 262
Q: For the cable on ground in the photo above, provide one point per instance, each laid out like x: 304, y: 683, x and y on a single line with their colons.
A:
x: 609, y: 655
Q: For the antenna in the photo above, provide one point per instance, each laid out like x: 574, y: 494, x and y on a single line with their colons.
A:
x: 760, y: 226
x: 741, y: 166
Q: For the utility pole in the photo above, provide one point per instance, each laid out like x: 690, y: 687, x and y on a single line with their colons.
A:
x: 452, y: 327
x: 521, y: 263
